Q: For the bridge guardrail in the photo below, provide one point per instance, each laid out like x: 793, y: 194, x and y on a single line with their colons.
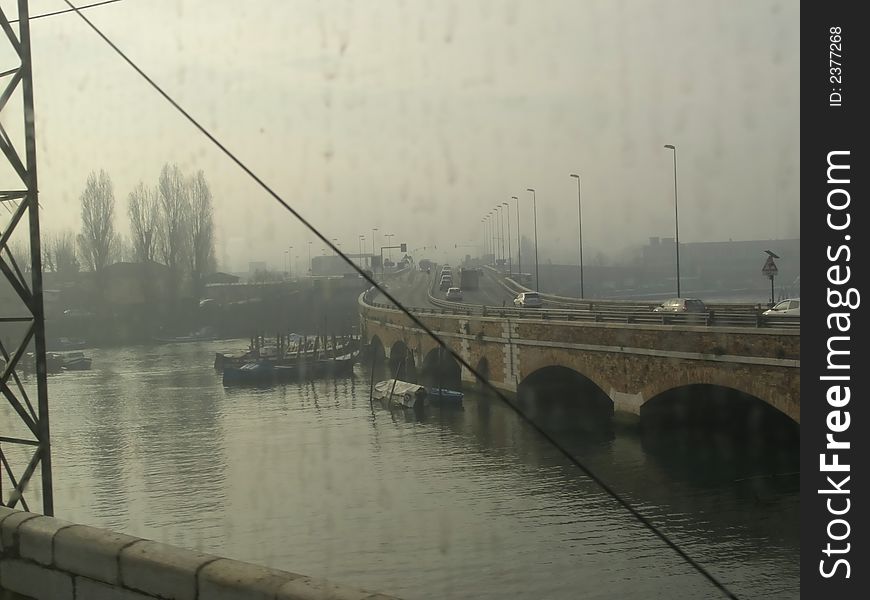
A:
x: 515, y: 288
x: 724, y: 314
x: 606, y: 312
x: 625, y: 315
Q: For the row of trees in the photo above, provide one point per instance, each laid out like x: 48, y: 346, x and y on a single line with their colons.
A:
x: 171, y: 223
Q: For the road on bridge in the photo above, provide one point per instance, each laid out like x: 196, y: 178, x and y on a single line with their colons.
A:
x: 412, y: 290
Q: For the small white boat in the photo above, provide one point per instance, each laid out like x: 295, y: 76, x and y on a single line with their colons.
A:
x: 394, y: 392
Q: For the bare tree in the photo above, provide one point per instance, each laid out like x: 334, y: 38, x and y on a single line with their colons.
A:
x: 19, y: 251
x: 60, y: 253
x: 201, y: 229
x: 174, y: 208
x: 98, y: 229
x: 47, y: 255
x: 122, y: 249
x: 144, y: 210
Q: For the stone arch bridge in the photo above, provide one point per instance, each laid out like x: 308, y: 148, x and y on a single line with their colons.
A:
x: 630, y: 363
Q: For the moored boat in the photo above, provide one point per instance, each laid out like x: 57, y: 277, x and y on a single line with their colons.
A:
x: 62, y: 344
x: 345, y: 356
x: 268, y: 372
x: 445, y: 397
x: 258, y: 372
x: 75, y: 361
x: 400, y: 394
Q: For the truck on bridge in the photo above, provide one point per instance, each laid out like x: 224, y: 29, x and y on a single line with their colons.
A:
x: 469, y: 279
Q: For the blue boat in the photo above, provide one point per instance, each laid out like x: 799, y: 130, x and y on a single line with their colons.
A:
x: 252, y: 372
x: 445, y: 396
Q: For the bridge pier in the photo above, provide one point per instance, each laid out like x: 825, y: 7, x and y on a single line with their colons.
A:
x: 626, y: 402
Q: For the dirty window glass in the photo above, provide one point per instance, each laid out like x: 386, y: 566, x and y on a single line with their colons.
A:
x: 229, y: 367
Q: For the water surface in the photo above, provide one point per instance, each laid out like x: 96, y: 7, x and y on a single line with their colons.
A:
x: 312, y: 478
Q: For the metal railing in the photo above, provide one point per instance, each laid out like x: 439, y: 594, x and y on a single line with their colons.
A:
x: 606, y: 312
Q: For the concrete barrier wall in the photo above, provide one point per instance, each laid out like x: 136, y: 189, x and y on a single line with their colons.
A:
x: 46, y: 558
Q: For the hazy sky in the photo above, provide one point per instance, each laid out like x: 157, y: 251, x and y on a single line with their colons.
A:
x: 417, y: 117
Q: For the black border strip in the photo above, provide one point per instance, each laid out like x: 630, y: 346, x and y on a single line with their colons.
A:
x: 833, y: 104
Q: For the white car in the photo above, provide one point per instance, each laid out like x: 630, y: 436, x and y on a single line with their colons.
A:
x: 454, y: 293
x: 528, y: 300
x: 790, y: 307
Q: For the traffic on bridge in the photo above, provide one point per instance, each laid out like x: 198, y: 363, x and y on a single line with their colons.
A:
x: 495, y: 292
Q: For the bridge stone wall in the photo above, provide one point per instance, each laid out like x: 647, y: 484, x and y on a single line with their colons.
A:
x: 46, y: 558
x: 631, y: 363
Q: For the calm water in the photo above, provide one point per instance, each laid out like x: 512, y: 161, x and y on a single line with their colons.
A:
x: 457, y: 504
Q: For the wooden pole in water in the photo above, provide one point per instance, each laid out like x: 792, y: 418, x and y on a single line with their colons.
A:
x: 438, y: 371
x: 396, y: 377
x: 372, y: 378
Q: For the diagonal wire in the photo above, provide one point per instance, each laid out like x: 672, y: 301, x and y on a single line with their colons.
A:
x: 576, y: 462
x: 67, y: 10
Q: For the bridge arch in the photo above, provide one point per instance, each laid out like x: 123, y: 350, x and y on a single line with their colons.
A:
x: 724, y: 407
x: 376, y: 350
x: 562, y: 397
x: 670, y: 381
x: 721, y: 430
x: 440, y: 369
x: 401, y: 362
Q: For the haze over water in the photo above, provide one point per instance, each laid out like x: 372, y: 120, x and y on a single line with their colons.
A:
x: 311, y: 478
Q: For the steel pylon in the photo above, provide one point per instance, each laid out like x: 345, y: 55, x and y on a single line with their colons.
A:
x: 25, y: 448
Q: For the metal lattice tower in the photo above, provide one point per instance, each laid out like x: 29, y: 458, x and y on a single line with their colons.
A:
x: 25, y: 449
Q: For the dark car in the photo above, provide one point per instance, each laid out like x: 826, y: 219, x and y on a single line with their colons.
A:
x: 682, y: 305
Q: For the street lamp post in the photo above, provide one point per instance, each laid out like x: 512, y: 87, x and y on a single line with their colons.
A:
x: 495, y: 255
x: 519, y: 241
x: 361, y: 238
x: 501, y: 232
x: 389, y: 250
x: 374, y: 229
x: 510, y: 254
x: 492, y: 250
x: 535, y: 207
x: 580, y: 229
x: 486, y: 238
x: 290, y: 263
x: 492, y: 239
x: 676, y: 217
x: 309, y: 258
x: 483, y: 222
x: 286, y: 256
x: 494, y: 214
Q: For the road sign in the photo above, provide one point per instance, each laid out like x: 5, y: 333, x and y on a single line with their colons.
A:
x: 769, y: 269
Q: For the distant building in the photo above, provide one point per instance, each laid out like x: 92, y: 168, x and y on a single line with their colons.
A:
x: 126, y: 284
x: 220, y: 278
x: 255, y: 266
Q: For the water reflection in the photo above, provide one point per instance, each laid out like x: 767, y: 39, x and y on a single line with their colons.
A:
x: 312, y: 477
